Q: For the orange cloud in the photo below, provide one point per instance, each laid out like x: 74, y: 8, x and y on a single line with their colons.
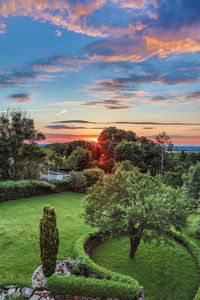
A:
x: 163, y: 47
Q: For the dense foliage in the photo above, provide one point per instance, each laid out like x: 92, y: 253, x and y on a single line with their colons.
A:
x: 136, y: 204
x: 20, y: 156
x: 49, y: 241
x: 11, y: 190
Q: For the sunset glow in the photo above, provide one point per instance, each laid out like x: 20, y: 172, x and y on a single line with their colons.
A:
x: 79, y: 66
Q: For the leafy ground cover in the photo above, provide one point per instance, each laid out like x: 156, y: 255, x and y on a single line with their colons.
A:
x: 165, y: 272
x: 19, y: 233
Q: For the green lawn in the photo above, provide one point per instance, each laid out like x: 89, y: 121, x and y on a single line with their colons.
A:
x: 165, y: 272
x: 189, y: 231
x: 19, y: 233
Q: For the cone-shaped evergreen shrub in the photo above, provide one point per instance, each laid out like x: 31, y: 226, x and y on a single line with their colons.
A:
x: 49, y: 241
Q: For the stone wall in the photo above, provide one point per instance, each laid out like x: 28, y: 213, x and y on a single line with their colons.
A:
x: 39, y: 294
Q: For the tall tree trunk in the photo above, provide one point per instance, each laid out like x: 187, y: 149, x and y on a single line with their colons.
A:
x: 134, y: 243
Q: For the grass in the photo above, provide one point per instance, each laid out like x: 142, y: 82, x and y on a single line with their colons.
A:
x: 19, y: 233
x: 165, y: 272
x: 189, y: 231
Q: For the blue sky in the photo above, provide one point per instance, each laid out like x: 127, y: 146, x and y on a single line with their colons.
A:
x: 80, y: 66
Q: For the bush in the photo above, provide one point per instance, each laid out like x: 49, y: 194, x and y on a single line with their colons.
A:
x: 49, y: 241
x: 76, y: 182
x: 81, y: 267
x: 91, y: 287
x: 197, y: 227
x: 11, y: 190
x: 79, y: 181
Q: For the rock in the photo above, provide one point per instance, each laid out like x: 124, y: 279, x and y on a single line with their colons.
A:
x: 27, y: 292
x: 11, y: 291
x: 3, y: 296
x: 16, y: 294
x: 35, y: 297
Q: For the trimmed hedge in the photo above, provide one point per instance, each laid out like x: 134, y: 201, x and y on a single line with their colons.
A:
x: 109, y: 284
x: 192, y: 248
x: 11, y: 190
x: 100, y: 272
x: 90, y: 287
x: 76, y: 182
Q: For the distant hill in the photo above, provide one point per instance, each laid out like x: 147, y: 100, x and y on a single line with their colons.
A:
x: 186, y: 148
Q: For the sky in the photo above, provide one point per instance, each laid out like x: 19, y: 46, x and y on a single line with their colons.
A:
x: 77, y: 67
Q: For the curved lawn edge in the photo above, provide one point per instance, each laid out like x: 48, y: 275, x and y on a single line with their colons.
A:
x: 82, y: 248
x: 192, y: 248
x: 86, y: 242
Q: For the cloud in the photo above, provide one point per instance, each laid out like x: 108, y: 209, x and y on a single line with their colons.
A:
x: 154, y: 123
x: 76, y: 121
x: 20, y: 98
x: 148, y: 128
x: 58, y: 33
x: 95, y: 103
x: 62, y: 112
x: 118, y: 107
x: 64, y: 127
x: 71, y: 127
x: 2, y: 28
x: 21, y: 75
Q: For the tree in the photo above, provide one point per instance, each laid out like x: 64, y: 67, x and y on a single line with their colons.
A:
x: 192, y: 183
x: 49, y: 241
x: 78, y: 160
x: 130, y: 151
x: 164, y: 143
x: 112, y: 136
x: 136, y: 204
x: 18, y: 146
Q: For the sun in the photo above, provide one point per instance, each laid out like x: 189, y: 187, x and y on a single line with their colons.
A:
x: 94, y: 140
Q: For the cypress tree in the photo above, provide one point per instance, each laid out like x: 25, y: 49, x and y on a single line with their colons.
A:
x: 49, y: 241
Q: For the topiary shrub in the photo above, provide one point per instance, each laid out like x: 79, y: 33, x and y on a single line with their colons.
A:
x: 49, y: 241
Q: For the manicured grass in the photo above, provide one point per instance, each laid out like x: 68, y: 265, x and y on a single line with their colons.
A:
x: 19, y: 233
x: 166, y: 272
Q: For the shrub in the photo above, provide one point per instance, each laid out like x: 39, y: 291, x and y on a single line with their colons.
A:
x: 11, y: 190
x: 77, y: 182
x: 197, y: 227
x: 81, y: 267
x: 49, y: 241
x: 91, y: 287
x: 61, y: 185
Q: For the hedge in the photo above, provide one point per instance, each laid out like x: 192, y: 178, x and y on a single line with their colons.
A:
x: 101, y: 272
x: 78, y: 251
x: 11, y: 190
x: 109, y: 284
x: 90, y: 287
x: 192, y: 248
x: 76, y: 182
